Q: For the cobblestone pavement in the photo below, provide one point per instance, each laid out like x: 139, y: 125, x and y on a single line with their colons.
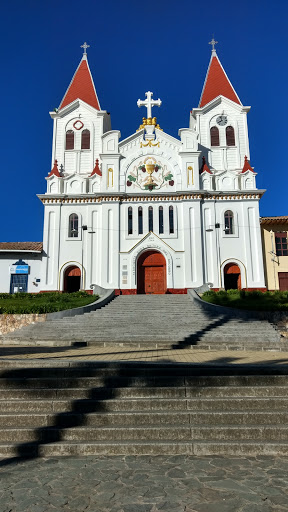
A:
x: 145, y: 484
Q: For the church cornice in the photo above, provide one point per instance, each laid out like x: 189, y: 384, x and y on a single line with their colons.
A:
x: 125, y: 198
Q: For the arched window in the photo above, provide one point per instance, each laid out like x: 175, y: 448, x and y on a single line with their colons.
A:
x: 171, y: 220
x: 214, y: 135
x: 150, y: 218
x: 70, y: 139
x: 85, y: 139
x: 161, y: 225
x: 73, y: 226
x: 230, y: 136
x: 130, y: 220
x: 140, y: 220
x: 229, y: 222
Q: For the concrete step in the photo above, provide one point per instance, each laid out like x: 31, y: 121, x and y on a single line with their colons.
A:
x: 173, y: 320
x: 98, y: 394
x: 159, y: 404
x: 199, y: 448
x: 144, y: 392
x: 274, y: 433
x: 155, y: 326
x: 273, y: 346
x: 128, y: 419
x: 54, y: 408
x: 137, y: 373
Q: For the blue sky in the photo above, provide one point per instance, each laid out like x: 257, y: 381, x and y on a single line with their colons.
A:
x: 135, y: 47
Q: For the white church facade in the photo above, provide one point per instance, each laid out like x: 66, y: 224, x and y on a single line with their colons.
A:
x: 151, y: 213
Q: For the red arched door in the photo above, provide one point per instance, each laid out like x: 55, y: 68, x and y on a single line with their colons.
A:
x: 72, y: 279
x: 232, y: 277
x: 151, y: 273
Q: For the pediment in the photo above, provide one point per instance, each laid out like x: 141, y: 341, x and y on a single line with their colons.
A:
x: 76, y: 104
x: 246, y: 173
x: 159, y: 137
x: 153, y: 241
x: 221, y: 100
x: 207, y: 173
x: 53, y: 177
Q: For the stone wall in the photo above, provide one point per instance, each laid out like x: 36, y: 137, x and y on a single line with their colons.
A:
x: 9, y: 323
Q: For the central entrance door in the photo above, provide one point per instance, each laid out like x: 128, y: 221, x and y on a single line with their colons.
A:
x: 151, y: 273
x: 72, y: 279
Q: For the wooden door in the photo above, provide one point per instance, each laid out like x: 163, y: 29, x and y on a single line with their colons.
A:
x: 283, y: 281
x: 154, y: 280
x: 151, y: 273
x: 232, y: 277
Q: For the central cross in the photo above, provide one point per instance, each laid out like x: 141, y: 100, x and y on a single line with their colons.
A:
x: 149, y: 103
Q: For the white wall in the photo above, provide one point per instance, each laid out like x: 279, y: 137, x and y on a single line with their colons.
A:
x: 35, y: 272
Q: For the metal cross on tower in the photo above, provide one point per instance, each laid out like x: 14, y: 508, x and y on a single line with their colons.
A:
x: 85, y: 46
x: 149, y: 103
x: 213, y: 42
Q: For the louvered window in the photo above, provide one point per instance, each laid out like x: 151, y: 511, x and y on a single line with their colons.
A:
x: 85, y: 139
x: 130, y: 220
x: 73, y: 226
x: 214, y: 134
x: 161, y: 225
x: 230, y: 136
x: 229, y: 222
x: 70, y: 139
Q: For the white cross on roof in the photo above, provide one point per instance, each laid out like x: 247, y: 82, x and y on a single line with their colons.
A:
x: 85, y: 46
x: 149, y: 103
x: 213, y: 42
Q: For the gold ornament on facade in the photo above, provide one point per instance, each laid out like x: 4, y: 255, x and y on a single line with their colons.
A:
x: 110, y: 173
x: 150, y: 163
x: 190, y: 174
x: 151, y: 121
x: 150, y: 144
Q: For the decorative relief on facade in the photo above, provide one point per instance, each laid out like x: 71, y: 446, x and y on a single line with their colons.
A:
x: 150, y: 174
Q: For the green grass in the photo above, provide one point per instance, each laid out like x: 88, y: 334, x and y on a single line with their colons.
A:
x: 255, y: 300
x: 43, y: 302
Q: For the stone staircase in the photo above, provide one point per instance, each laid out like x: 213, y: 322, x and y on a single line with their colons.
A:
x: 74, y: 408
x: 148, y: 322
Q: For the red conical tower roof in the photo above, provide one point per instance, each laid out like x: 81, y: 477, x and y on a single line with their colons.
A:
x: 96, y: 169
x: 81, y: 87
x: 247, y: 166
x: 217, y: 83
x: 54, y: 171
x: 204, y: 166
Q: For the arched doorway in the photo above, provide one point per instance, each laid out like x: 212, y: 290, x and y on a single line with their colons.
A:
x: 151, y: 273
x: 72, y: 279
x: 232, y: 277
